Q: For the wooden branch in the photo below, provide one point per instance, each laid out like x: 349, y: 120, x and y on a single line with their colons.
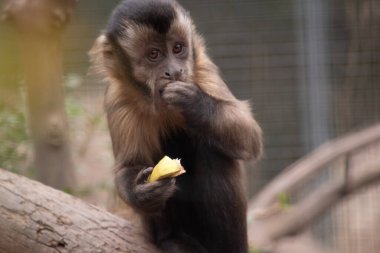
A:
x: 37, y: 218
x: 299, y: 244
x: 294, y: 220
x: 306, y: 168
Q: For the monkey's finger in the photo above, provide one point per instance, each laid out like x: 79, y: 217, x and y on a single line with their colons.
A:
x: 143, y: 175
x: 151, y: 197
x: 166, y: 182
x: 155, y: 189
x: 165, y: 186
x: 180, y: 97
x: 161, y: 186
x: 176, y: 99
x: 184, y: 89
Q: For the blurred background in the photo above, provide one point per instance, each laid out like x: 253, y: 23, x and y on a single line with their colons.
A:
x: 310, y: 69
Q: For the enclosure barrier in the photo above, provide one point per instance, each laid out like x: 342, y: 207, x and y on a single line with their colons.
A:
x: 271, y: 218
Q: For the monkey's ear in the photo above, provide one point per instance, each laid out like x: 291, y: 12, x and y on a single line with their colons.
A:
x: 100, y: 54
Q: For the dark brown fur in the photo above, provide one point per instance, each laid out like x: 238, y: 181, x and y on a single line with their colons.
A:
x: 201, y: 123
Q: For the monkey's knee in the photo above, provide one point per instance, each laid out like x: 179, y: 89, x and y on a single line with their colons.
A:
x: 182, y: 243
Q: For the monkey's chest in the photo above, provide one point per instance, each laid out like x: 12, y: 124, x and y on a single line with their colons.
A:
x: 179, y: 145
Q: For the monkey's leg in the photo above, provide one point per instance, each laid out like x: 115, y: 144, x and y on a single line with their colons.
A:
x: 182, y: 243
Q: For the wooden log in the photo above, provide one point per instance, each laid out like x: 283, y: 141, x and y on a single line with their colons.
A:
x: 37, y: 218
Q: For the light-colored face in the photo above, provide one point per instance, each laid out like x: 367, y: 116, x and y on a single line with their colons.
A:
x: 158, y: 59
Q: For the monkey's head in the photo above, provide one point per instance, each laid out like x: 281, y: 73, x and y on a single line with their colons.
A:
x: 147, y: 44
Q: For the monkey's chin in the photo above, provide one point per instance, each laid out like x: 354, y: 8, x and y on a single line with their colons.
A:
x: 158, y: 102
x: 159, y: 105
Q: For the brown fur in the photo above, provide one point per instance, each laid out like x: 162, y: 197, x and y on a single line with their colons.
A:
x: 130, y: 108
x: 212, y: 127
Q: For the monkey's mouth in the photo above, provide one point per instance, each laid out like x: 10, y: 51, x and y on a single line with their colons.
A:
x: 159, y: 88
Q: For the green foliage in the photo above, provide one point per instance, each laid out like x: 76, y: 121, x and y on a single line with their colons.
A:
x: 73, y: 107
x: 253, y: 250
x: 68, y: 190
x: 14, y: 140
x: 284, y: 200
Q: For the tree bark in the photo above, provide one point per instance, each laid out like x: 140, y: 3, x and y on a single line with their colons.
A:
x: 37, y: 218
x: 40, y: 24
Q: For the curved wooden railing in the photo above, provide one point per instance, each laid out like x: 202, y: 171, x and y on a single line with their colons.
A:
x: 268, y: 222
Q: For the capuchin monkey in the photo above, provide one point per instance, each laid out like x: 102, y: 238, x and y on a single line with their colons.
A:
x: 166, y: 97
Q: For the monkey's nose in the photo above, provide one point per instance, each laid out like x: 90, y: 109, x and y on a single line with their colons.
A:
x: 174, y: 74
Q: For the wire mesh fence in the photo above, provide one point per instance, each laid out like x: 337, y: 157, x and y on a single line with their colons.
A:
x: 310, y: 69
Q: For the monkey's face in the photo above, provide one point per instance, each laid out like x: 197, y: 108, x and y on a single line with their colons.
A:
x: 157, y: 59
x: 151, y: 44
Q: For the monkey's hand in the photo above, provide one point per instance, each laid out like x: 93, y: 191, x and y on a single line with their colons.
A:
x: 145, y: 197
x: 190, y: 100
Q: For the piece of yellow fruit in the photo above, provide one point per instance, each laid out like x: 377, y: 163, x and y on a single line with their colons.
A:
x: 167, y: 167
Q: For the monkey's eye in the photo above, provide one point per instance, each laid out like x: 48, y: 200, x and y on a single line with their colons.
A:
x: 154, y: 54
x: 178, y: 47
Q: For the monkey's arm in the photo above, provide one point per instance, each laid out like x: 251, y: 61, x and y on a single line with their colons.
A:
x: 234, y: 130
x: 228, y: 125
x: 131, y: 184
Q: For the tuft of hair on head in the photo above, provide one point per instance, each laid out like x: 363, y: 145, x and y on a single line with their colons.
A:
x: 157, y: 14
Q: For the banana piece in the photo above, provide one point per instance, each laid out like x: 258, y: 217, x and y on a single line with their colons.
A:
x: 166, y: 167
